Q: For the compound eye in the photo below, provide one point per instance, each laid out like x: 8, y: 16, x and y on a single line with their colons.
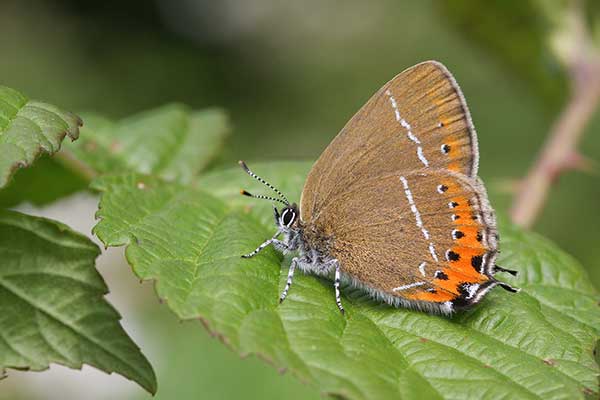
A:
x: 287, y: 217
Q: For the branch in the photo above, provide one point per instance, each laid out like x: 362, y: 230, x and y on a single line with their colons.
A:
x: 560, y: 150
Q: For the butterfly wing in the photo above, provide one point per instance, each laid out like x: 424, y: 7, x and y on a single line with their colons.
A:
x: 417, y: 120
x: 424, y: 239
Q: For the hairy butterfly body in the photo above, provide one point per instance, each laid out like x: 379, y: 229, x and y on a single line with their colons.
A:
x: 394, y: 205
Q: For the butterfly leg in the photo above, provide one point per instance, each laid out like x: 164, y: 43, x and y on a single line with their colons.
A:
x: 336, y: 285
x: 289, y: 280
x: 262, y: 246
x: 281, y: 245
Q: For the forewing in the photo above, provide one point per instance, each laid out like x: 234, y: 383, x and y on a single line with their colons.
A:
x: 424, y: 236
x: 417, y: 120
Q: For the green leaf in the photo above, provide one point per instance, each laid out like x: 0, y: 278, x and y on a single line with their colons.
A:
x: 172, y: 142
x: 537, y: 344
x: 53, y: 310
x: 28, y: 128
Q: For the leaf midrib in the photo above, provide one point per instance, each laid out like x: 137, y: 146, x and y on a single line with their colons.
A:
x: 88, y: 285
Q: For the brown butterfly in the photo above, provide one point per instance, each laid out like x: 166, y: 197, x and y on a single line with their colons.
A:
x: 394, y: 205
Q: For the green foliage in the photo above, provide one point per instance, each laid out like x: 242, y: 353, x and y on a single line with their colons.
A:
x: 538, y: 39
x: 57, y: 179
x: 535, y: 344
x: 53, y: 310
x: 515, y: 32
x: 28, y: 128
x: 172, y: 142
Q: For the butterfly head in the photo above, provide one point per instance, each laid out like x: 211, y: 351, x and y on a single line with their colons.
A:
x: 288, y: 216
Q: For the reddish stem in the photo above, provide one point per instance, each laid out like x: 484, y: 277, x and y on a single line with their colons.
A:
x: 558, y: 152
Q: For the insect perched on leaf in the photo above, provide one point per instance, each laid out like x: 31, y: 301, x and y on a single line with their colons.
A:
x: 394, y: 205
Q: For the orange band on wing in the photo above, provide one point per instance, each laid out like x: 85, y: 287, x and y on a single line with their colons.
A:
x: 470, y: 237
x: 438, y: 296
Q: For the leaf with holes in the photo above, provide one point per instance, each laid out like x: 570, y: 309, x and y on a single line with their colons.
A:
x: 172, y: 142
x: 53, y: 310
x: 28, y: 128
x: 537, y: 344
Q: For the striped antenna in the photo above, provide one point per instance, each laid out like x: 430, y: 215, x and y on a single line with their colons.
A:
x: 261, y: 180
x: 260, y: 196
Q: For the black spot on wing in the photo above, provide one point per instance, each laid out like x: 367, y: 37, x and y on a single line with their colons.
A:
x: 441, y: 275
x: 452, y: 256
x: 476, y: 262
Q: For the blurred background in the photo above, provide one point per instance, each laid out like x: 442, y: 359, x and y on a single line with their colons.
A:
x: 290, y: 74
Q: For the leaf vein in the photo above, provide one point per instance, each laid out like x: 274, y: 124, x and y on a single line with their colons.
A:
x: 74, y: 329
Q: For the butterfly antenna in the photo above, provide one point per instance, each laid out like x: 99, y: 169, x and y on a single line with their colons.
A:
x: 261, y: 180
x: 260, y: 196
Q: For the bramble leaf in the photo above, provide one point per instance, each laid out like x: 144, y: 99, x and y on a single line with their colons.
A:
x: 537, y: 344
x: 53, y: 310
x: 28, y: 128
x: 171, y: 141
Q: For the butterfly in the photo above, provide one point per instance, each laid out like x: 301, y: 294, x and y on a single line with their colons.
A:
x: 394, y: 205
